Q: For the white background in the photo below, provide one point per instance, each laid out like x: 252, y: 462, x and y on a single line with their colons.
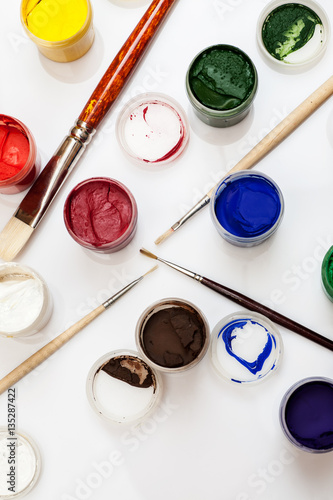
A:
x: 209, y: 439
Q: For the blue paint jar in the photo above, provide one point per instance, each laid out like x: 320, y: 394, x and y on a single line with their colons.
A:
x: 246, y: 348
x: 306, y: 414
x: 247, y: 208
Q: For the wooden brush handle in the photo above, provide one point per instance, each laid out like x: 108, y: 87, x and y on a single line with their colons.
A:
x: 278, y: 318
x: 124, y: 63
x: 45, y: 352
x: 283, y: 129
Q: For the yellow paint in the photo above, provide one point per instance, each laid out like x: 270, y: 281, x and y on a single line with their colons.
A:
x: 56, y: 20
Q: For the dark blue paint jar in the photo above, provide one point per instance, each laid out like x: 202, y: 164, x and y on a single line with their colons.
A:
x: 306, y: 414
x: 247, y: 208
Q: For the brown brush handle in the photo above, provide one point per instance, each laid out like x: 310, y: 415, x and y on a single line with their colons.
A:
x: 124, y: 63
x: 45, y: 352
x: 278, y: 318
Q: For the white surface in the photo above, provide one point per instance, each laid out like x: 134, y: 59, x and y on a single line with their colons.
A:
x: 208, y: 439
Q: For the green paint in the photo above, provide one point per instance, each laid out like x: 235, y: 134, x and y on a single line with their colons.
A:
x: 327, y: 273
x: 288, y: 28
x: 221, y: 77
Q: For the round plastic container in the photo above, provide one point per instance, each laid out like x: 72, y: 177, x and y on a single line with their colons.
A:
x: 101, y: 214
x: 327, y: 273
x: 122, y: 388
x: 273, y: 24
x: 19, y: 156
x: 306, y: 414
x: 25, y: 301
x: 152, y: 130
x: 246, y: 348
x: 24, y: 451
x: 53, y: 13
x: 247, y: 208
x: 172, y: 335
x: 221, y: 84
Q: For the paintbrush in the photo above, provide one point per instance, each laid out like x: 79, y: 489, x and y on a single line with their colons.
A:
x: 249, y: 303
x: 45, y: 352
x: 267, y: 144
x: 36, y: 202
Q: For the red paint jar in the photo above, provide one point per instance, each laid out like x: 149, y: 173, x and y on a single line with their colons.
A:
x: 101, y: 214
x: 19, y: 158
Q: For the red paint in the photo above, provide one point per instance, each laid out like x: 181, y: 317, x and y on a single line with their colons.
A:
x: 14, y: 151
x: 101, y: 214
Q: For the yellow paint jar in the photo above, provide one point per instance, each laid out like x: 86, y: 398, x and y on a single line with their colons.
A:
x: 62, y: 29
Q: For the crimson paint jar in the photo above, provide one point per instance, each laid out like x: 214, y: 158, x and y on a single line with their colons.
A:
x: 101, y: 214
x: 19, y: 158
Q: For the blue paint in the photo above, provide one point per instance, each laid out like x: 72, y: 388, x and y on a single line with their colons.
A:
x: 227, y: 335
x: 309, y: 415
x: 248, y: 205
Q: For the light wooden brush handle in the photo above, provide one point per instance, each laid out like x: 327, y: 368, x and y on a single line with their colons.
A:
x: 45, y: 352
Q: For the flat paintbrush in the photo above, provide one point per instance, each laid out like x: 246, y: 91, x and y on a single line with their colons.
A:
x: 248, y: 303
x: 45, y: 352
x: 36, y: 202
x: 269, y: 142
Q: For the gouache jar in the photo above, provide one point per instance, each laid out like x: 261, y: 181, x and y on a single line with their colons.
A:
x: 19, y: 158
x: 247, y: 208
x: 172, y: 335
x: 122, y: 388
x: 25, y: 301
x: 18, y: 450
x: 246, y: 348
x: 293, y: 34
x: 152, y: 130
x: 101, y: 214
x: 221, y: 84
x: 61, y: 29
x: 327, y: 273
x: 306, y: 414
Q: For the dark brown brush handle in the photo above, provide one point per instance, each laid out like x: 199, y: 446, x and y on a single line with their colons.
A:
x: 278, y: 318
x: 124, y: 63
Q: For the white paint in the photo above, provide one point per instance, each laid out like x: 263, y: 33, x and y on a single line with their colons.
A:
x: 309, y: 50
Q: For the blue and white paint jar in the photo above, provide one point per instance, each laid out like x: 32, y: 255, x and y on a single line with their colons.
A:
x: 246, y: 348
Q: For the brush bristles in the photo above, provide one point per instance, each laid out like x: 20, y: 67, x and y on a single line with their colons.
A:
x: 164, y: 236
x: 13, y: 238
x: 148, y: 254
x: 151, y: 270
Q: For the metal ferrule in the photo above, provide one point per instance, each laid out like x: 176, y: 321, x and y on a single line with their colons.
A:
x: 182, y: 270
x: 39, y: 197
x: 121, y: 292
x: 201, y: 204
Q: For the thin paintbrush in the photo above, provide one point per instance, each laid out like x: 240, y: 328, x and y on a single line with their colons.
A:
x: 36, y: 202
x: 251, y: 304
x: 45, y: 352
x: 269, y: 142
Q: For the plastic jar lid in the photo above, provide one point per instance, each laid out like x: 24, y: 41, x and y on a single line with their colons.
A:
x: 122, y: 388
x: 293, y: 53
x: 246, y: 348
x: 24, y: 456
x: 152, y: 130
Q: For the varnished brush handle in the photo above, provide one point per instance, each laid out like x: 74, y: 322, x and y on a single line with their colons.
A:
x: 274, y: 316
x: 124, y: 63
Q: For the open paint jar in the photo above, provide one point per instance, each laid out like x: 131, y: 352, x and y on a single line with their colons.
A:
x: 327, y: 273
x: 152, y: 129
x: 61, y: 29
x: 221, y: 84
x: 293, y: 34
x: 25, y: 473
x: 19, y: 158
x: 25, y: 301
x: 101, y: 214
x: 306, y: 414
x: 246, y: 348
x: 122, y: 388
x: 247, y: 208
x: 172, y: 335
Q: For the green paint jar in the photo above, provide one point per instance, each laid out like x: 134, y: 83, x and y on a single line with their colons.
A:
x: 327, y: 273
x: 221, y: 83
x: 292, y: 34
